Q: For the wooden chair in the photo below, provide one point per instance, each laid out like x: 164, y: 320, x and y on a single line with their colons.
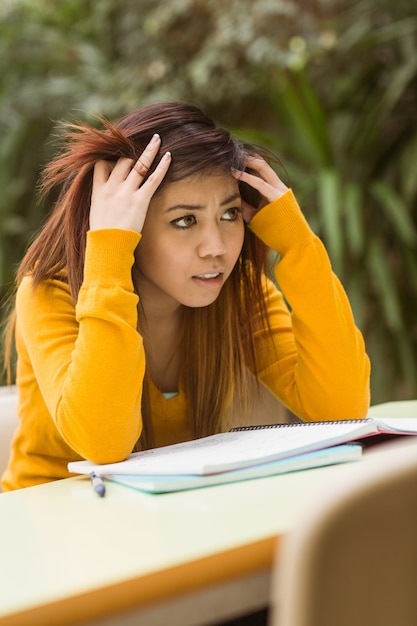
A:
x: 8, y: 423
x: 352, y: 559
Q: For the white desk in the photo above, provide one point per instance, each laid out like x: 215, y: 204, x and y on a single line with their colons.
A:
x: 68, y: 556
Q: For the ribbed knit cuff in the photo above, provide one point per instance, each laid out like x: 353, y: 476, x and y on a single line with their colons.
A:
x: 109, y: 257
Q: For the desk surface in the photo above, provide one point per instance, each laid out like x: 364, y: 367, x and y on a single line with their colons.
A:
x: 67, y: 554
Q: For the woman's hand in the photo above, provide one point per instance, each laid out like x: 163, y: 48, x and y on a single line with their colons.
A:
x: 120, y: 198
x: 265, y: 181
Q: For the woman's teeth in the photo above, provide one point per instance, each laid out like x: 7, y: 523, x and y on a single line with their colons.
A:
x: 207, y: 276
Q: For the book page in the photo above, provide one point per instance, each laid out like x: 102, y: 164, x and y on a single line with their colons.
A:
x: 406, y: 425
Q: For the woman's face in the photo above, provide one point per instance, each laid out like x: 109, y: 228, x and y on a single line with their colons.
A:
x: 191, y: 240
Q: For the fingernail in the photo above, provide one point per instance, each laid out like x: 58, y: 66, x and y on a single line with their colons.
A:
x: 155, y: 138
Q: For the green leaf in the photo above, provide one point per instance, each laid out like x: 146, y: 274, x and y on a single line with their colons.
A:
x: 396, y: 211
x: 329, y: 207
x: 385, y: 284
x: 353, y: 213
x: 408, y: 169
x: 305, y: 116
x: 399, y: 82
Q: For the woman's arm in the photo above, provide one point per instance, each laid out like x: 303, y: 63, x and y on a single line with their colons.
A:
x: 316, y: 364
x: 88, y: 360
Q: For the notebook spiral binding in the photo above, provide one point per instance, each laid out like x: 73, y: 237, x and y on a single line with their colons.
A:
x: 293, y: 425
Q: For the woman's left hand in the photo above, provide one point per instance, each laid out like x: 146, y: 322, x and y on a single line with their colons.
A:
x: 265, y: 181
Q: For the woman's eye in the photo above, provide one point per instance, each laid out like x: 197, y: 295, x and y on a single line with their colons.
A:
x: 186, y: 221
x: 232, y: 214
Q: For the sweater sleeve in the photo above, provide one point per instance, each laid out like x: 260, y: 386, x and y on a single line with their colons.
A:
x: 316, y: 363
x: 88, y: 360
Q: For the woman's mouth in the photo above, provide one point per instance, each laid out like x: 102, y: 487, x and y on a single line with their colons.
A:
x: 208, y: 276
x: 212, y: 279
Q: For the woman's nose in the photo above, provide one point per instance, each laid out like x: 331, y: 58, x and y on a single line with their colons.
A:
x: 211, y: 243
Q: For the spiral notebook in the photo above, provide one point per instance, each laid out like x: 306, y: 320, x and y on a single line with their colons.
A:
x: 246, y: 447
x: 335, y: 455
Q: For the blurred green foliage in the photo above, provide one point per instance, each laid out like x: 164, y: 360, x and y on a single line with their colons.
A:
x: 329, y: 85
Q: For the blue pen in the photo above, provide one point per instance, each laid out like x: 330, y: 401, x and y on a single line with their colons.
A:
x: 98, y: 484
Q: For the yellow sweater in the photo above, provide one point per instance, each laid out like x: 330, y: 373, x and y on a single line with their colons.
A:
x: 80, y: 369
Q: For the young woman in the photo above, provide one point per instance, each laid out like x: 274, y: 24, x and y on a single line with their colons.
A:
x: 144, y: 309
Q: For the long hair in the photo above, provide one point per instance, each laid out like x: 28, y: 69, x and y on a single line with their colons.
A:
x: 217, y: 341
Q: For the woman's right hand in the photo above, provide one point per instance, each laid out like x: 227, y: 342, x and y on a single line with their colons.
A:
x: 120, y: 198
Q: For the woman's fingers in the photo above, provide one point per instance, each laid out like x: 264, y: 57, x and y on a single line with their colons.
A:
x: 264, y: 188
x: 122, y: 191
x: 261, y: 167
x: 265, y: 180
x: 155, y: 179
x: 140, y: 169
x: 129, y: 169
x: 101, y: 172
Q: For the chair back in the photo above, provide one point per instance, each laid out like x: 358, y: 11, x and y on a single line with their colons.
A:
x: 352, y: 559
x: 8, y: 423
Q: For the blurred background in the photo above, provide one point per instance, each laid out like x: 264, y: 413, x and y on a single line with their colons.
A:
x: 330, y: 86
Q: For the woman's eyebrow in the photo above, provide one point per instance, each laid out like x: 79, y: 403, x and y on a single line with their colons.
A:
x: 196, y: 207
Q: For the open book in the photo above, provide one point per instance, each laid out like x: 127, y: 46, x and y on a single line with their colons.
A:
x: 246, y: 448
